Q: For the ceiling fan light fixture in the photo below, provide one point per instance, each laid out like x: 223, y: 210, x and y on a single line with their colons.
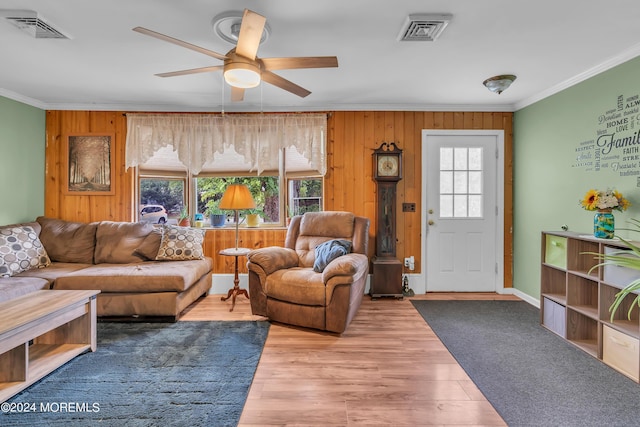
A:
x: 242, y: 75
x: 499, y: 84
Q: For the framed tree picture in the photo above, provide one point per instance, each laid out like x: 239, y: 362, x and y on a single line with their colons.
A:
x: 89, y: 164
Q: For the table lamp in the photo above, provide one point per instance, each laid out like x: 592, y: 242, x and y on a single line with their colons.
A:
x: 237, y: 197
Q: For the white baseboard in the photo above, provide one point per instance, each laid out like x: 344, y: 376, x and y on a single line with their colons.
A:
x: 223, y: 282
x: 526, y: 297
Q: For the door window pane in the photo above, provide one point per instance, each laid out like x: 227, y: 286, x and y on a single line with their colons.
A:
x: 475, y: 182
x: 446, y: 206
x: 475, y: 206
x: 460, y: 158
x: 446, y: 158
x: 446, y: 182
x: 460, y: 206
x: 475, y: 159
x: 461, y: 182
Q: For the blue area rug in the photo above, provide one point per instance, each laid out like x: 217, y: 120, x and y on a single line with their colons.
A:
x: 531, y: 376
x: 149, y: 374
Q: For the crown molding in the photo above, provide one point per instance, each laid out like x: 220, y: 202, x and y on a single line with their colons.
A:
x: 23, y: 99
x: 621, y: 58
x: 257, y: 108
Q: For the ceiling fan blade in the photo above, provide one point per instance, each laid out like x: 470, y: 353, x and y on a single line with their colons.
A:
x: 285, y: 84
x: 166, y: 38
x: 191, y: 71
x: 300, y: 62
x: 250, y: 34
x: 237, y: 94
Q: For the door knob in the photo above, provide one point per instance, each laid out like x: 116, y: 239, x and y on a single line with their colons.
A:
x: 430, y: 222
x: 430, y: 211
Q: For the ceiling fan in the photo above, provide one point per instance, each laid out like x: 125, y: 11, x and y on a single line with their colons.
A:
x: 242, y: 68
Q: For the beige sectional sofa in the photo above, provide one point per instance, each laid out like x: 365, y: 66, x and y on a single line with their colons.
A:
x: 140, y: 270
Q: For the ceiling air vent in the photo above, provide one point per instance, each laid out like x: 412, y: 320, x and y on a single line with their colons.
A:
x: 423, y: 27
x: 29, y: 21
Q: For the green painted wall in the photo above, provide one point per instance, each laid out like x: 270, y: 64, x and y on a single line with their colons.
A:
x: 22, y: 146
x: 557, y: 142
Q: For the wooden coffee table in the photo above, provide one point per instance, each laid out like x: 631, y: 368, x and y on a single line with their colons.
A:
x: 42, y: 331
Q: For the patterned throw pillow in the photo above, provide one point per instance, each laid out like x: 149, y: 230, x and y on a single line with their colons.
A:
x: 180, y: 243
x: 20, y: 250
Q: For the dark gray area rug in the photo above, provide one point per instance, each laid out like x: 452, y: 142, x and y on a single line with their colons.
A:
x: 149, y: 374
x: 530, y: 375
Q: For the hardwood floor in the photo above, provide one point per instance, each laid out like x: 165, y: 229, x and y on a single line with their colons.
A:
x: 388, y: 368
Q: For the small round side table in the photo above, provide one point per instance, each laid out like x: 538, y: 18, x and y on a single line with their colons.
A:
x: 236, y: 290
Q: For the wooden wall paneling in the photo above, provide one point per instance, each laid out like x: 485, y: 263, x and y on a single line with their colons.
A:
x: 347, y: 160
x: 507, y: 125
x: 361, y: 157
x: 52, y: 163
x: 416, y: 230
x: 219, y: 239
x: 428, y: 118
x: 336, y: 122
x: 411, y: 136
x: 348, y: 184
x: 477, y: 120
x: 369, y: 185
x: 448, y: 120
x: 403, y: 141
x: 458, y: 120
x: 487, y: 120
x: 468, y: 120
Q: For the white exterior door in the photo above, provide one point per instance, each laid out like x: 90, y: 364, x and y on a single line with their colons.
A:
x: 462, y: 212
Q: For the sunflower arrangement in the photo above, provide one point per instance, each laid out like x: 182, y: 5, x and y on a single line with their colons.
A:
x: 596, y: 200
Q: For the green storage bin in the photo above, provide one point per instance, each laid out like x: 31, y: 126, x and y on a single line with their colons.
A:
x: 555, y: 252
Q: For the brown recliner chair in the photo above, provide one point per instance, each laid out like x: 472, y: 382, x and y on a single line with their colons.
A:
x: 284, y: 287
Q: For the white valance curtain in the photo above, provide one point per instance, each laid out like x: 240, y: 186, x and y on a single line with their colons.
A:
x: 198, y: 138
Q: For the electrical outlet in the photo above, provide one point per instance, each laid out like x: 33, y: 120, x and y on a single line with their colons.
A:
x: 410, y: 263
x: 408, y: 207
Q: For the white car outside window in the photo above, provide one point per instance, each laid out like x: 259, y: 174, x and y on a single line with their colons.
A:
x: 155, y: 214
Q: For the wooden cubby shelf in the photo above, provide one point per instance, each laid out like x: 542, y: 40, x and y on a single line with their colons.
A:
x: 575, y: 297
x: 41, y: 331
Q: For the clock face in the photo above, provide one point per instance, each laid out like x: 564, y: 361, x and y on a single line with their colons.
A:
x: 387, y: 165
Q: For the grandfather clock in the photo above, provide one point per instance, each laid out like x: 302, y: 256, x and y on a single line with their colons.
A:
x: 387, y: 270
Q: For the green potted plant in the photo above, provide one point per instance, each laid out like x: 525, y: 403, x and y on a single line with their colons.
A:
x: 253, y: 217
x: 628, y: 259
x: 217, y: 217
x: 183, y: 218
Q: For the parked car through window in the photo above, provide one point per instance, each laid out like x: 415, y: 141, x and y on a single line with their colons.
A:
x: 155, y: 214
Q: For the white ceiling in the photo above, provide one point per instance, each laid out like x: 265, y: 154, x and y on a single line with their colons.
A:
x: 548, y: 44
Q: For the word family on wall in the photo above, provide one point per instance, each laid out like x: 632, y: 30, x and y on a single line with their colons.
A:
x: 616, y: 143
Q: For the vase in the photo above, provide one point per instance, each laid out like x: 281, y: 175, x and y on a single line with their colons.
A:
x: 218, y: 220
x: 604, y: 224
x: 253, y: 220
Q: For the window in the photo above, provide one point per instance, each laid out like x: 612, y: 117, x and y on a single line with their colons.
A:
x: 169, y: 188
x: 461, y: 182
x: 162, y: 196
x: 305, y: 195
x: 264, y: 189
x: 280, y: 157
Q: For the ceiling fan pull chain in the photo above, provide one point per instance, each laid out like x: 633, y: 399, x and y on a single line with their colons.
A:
x: 222, y: 100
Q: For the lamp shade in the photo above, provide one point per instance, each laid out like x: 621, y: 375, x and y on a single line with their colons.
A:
x: 237, y: 196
